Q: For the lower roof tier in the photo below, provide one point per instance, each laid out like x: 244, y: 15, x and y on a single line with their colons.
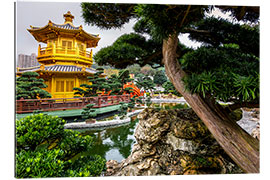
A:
x: 57, y: 68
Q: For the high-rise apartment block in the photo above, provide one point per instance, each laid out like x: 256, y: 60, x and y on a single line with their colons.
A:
x: 25, y: 61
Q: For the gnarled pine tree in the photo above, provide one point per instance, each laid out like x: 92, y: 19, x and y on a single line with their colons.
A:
x: 224, y: 68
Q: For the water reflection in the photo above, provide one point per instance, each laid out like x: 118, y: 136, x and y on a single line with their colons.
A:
x: 113, y: 143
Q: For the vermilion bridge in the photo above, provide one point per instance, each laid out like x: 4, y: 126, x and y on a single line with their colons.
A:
x: 31, y: 105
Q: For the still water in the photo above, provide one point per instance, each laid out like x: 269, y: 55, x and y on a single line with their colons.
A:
x: 113, y: 143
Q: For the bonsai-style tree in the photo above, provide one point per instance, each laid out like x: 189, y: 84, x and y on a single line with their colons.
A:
x: 123, y: 110
x: 135, y: 99
x: 145, y: 82
x: 169, y: 88
x: 117, y: 82
x: 160, y: 78
x: 225, y: 67
x: 29, y: 86
x: 89, y: 112
x: 97, y: 83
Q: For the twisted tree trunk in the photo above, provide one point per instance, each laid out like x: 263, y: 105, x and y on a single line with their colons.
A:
x: 239, y: 145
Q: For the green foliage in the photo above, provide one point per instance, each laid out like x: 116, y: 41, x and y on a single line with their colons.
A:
x: 106, y: 16
x: 169, y: 88
x: 94, y: 167
x: 40, y: 164
x: 97, y: 83
x: 114, y: 84
x: 167, y: 19
x: 134, y: 69
x: 144, y: 82
x: 45, y: 149
x: 123, y: 110
x: 130, y: 48
x: 72, y: 143
x: 243, y: 13
x: 148, y: 100
x: 160, y: 78
x: 247, y: 88
x: 29, y: 86
x: 135, y: 99
x: 224, y: 32
x: 31, y: 131
x: 134, y: 48
x: 88, y: 111
x: 225, y: 67
x: 148, y: 70
x: 117, y: 82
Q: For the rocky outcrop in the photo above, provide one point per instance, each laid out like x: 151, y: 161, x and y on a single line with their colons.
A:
x: 173, y: 142
x: 251, y: 121
x: 255, y: 113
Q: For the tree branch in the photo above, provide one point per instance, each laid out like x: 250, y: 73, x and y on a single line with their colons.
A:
x: 182, y: 22
x: 151, y: 57
x: 191, y: 30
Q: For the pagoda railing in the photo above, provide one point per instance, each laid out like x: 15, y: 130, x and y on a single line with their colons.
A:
x: 59, y: 50
x: 31, y: 105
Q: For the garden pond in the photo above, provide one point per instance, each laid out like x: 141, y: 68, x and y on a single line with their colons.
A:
x: 116, y: 143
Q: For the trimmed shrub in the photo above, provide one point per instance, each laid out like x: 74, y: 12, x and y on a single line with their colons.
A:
x: 45, y: 149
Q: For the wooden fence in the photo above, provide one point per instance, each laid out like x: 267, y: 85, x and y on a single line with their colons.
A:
x: 30, y: 105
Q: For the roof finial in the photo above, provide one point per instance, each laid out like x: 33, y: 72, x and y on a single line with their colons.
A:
x: 68, y: 17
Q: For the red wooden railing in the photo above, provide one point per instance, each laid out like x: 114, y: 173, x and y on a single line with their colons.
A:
x: 30, y: 105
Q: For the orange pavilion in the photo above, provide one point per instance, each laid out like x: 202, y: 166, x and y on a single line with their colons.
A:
x: 65, y: 61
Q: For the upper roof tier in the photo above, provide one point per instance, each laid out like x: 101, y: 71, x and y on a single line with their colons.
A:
x: 52, y: 30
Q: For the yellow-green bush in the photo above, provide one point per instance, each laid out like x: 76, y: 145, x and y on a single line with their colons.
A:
x: 45, y: 149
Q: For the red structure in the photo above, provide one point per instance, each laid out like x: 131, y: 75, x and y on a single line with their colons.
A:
x: 30, y: 105
x: 135, y: 89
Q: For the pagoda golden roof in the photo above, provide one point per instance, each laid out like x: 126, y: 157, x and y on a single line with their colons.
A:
x: 52, y: 30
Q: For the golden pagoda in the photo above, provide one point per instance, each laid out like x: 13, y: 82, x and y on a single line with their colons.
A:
x: 65, y: 62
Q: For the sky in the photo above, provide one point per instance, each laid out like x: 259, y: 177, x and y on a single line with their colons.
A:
x: 39, y: 13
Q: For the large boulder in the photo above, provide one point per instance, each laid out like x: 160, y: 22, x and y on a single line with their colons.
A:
x: 173, y: 142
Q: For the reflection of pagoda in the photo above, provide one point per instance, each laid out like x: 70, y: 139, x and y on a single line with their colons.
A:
x: 65, y: 63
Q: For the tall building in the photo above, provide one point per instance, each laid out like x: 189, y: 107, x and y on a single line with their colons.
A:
x: 65, y: 62
x: 25, y: 61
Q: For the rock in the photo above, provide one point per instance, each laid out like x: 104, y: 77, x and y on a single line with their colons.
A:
x: 90, y: 121
x: 181, y: 144
x: 111, y: 167
x: 255, y: 113
x: 256, y: 132
x: 173, y: 142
